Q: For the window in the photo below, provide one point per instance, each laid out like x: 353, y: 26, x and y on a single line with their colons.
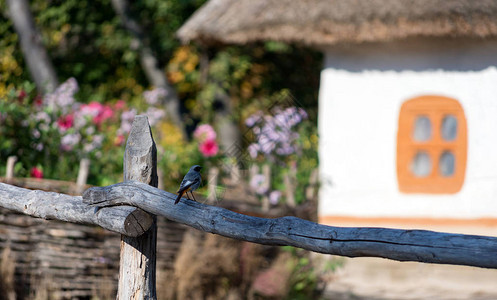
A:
x: 431, y: 145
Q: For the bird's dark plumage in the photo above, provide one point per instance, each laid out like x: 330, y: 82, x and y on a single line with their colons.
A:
x: 190, y: 183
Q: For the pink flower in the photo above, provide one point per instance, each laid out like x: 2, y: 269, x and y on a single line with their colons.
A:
x: 98, y: 111
x: 208, y: 148
x: 36, y: 172
x: 38, y: 101
x: 22, y: 95
x: 118, y: 141
x: 120, y: 104
x: 65, y: 122
x: 204, y: 132
x: 104, y: 114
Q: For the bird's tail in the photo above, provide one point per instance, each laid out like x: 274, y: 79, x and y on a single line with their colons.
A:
x: 179, y: 196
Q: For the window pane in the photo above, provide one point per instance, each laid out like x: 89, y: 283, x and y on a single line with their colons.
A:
x: 449, y: 128
x: 422, y: 129
x: 421, y: 164
x: 447, y: 164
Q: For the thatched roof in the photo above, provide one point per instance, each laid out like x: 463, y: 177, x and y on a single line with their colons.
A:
x: 328, y: 22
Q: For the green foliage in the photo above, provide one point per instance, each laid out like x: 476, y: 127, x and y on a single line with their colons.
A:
x: 251, y: 76
x: 52, y: 134
x: 308, y: 275
x: 254, y: 78
x: 87, y: 41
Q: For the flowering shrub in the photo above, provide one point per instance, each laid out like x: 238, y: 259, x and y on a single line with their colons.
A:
x: 275, y: 135
x: 54, y: 132
x: 285, y: 139
x: 50, y: 135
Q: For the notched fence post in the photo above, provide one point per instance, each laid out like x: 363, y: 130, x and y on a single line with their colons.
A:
x: 138, y: 254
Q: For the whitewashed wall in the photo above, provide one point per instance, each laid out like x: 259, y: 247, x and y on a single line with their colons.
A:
x: 362, y: 90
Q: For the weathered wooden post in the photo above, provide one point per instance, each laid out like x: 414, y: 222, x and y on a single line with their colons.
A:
x: 266, y: 171
x: 212, y: 184
x: 138, y: 255
x: 84, y: 170
x: 9, y: 174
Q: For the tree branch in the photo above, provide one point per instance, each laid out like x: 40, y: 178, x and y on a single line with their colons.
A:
x: 37, y: 59
x: 402, y: 245
x: 126, y: 220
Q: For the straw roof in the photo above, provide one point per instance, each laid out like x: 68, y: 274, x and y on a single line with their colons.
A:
x: 328, y: 22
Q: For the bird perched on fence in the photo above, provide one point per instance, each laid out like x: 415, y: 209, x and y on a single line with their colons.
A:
x: 190, y: 183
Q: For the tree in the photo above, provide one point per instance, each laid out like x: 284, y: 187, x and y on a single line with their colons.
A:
x: 39, y: 64
x: 149, y: 62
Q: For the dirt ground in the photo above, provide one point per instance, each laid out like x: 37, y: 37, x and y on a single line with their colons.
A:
x: 376, y: 278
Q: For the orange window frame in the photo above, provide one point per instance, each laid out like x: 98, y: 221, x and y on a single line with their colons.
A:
x: 435, y: 108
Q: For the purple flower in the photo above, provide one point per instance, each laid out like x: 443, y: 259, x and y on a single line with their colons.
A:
x: 302, y: 113
x: 253, y: 149
x: 274, y: 197
x: 253, y: 119
x: 90, y: 130
x: 155, y: 115
x: 63, y: 97
x: 88, y: 147
x: 81, y: 118
x: 275, y: 135
x: 285, y: 150
x: 127, y: 118
x: 95, y: 143
x: 258, y: 184
x: 42, y: 117
x: 69, y: 141
x: 281, y: 119
x: 154, y: 96
x: 36, y: 133
x: 98, y: 139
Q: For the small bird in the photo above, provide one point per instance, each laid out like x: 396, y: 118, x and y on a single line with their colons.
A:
x: 190, y: 183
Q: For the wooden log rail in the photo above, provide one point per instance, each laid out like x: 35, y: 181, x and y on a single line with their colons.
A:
x: 396, y: 244
x: 111, y: 207
x: 126, y: 220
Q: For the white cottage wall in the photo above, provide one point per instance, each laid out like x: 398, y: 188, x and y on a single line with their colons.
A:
x: 362, y: 90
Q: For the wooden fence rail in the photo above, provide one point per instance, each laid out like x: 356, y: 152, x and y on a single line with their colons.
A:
x: 126, y: 220
x: 126, y: 207
x: 402, y: 245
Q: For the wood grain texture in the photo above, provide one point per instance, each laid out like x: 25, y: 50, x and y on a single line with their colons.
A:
x: 137, y: 268
x: 54, y: 206
x: 396, y: 244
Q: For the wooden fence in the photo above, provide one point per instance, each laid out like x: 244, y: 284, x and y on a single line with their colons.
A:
x: 68, y: 187
x: 69, y: 260
x: 129, y: 208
